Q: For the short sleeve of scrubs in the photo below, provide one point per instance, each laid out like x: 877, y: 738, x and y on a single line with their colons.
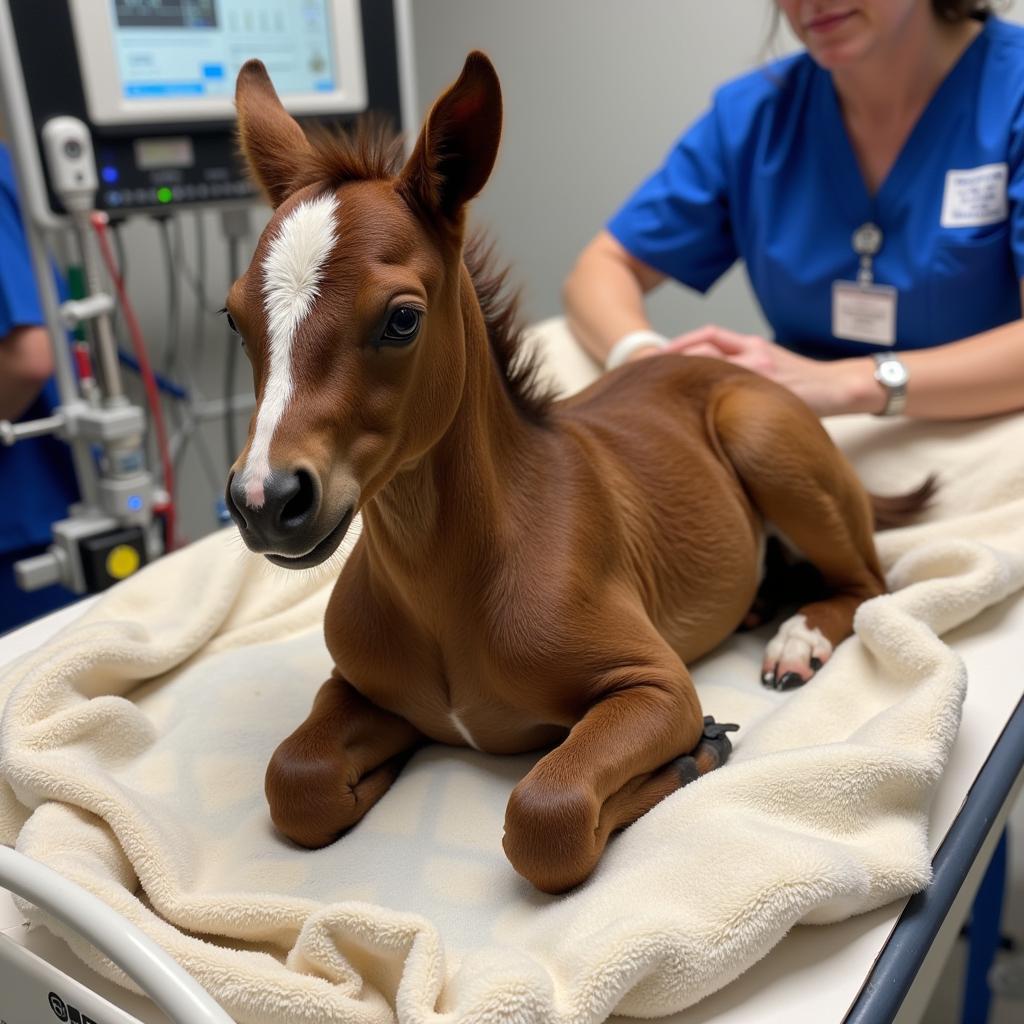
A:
x: 1015, y: 192
x: 678, y: 221
x: 19, y: 297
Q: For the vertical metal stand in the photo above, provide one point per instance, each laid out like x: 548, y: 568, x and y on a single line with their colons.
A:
x: 105, y: 438
x: 28, y: 175
x: 986, y: 917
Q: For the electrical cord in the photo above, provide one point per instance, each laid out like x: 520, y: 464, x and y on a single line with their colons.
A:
x: 173, y: 330
x: 185, y: 425
x: 115, y: 226
x: 203, y: 311
x: 102, y: 345
x: 122, y: 262
x: 168, y: 387
x: 98, y: 220
x: 173, y: 334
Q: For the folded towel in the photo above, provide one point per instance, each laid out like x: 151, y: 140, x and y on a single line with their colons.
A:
x: 133, y: 746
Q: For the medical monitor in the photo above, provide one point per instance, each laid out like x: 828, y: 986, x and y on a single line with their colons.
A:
x: 154, y: 82
x: 159, y: 61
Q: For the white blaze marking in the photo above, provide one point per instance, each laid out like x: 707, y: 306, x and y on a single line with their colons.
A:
x: 463, y: 731
x: 292, y: 271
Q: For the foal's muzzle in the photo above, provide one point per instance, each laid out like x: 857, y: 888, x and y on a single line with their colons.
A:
x: 287, y: 526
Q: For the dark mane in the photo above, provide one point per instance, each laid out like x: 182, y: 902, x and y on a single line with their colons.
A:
x: 371, y: 151
x: 520, y: 370
x: 368, y: 150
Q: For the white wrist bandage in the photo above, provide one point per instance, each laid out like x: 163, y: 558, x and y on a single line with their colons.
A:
x: 626, y: 346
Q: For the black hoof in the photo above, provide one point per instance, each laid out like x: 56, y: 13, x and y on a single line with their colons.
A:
x: 715, y: 739
x: 790, y: 681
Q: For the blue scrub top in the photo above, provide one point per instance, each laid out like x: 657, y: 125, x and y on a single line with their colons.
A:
x: 37, y: 480
x: 769, y: 176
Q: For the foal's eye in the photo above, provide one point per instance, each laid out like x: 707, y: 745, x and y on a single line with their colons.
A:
x: 402, y: 326
x: 232, y: 326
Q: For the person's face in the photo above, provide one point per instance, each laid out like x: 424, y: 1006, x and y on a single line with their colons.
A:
x: 838, y: 33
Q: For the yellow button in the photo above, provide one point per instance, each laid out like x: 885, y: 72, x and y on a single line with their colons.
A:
x: 122, y: 561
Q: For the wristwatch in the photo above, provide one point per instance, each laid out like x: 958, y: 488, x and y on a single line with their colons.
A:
x: 893, y: 376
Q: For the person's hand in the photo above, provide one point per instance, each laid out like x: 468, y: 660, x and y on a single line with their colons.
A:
x: 829, y: 388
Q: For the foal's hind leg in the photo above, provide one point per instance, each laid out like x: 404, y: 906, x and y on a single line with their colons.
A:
x: 803, y: 484
x: 325, y: 776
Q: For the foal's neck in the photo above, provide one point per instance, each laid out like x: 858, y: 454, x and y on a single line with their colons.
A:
x: 463, y: 492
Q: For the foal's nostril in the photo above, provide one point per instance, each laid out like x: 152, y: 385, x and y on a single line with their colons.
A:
x: 234, y: 497
x: 298, y: 508
x: 286, y: 515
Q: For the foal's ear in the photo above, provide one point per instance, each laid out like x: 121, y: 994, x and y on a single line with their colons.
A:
x: 456, y: 149
x: 270, y: 137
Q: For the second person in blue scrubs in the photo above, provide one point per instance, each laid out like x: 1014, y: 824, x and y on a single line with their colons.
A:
x: 873, y: 185
x: 37, y: 482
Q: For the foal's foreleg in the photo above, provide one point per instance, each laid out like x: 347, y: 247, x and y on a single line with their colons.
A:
x: 325, y: 776
x: 622, y: 757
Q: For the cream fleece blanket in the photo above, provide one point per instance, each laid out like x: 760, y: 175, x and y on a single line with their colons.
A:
x: 133, y: 748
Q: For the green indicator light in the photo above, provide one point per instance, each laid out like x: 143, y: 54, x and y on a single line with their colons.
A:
x: 164, y: 194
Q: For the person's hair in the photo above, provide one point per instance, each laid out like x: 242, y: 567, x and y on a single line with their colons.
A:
x: 950, y: 11
x: 953, y: 11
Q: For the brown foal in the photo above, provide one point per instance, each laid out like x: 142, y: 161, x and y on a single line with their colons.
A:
x: 531, y: 573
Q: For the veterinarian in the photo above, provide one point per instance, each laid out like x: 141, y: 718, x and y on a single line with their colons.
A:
x: 874, y: 187
x: 37, y: 482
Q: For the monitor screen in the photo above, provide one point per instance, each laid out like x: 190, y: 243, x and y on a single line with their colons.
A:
x: 190, y: 48
x: 164, y: 60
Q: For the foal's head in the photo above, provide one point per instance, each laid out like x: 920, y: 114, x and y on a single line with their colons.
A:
x: 349, y: 311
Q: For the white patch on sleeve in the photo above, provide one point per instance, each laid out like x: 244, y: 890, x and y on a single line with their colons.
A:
x: 292, y: 272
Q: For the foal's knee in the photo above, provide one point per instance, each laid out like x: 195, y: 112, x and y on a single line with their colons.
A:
x: 550, y: 833
x: 311, y: 801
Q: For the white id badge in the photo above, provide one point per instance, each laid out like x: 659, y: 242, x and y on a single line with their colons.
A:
x: 976, y: 197
x: 864, y: 312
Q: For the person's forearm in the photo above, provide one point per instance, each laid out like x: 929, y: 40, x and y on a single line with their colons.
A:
x: 26, y: 362
x: 979, y: 376
x: 604, y: 301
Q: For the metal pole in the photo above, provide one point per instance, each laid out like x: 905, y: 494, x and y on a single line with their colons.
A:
x: 104, y: 345
x: 406, y: 73
x: 177, y: 993
x: 28, y: 175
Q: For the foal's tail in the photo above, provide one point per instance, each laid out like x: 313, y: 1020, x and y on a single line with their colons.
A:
x: 892, y: 511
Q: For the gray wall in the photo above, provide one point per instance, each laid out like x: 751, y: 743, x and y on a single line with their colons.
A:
x: 595, y: 91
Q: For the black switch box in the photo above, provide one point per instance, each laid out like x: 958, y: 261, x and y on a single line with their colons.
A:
x: 112, y: 556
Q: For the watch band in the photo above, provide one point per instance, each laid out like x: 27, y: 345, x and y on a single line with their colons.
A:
x: 626, y: 346
x: 893, y: 375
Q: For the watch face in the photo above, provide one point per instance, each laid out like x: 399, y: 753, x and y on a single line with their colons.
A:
x: 892, y: 373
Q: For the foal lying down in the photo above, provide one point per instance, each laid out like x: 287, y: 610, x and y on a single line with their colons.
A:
x: 531, y: 573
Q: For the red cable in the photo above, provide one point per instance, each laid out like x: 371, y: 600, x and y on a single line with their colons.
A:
x: 98, y: 219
